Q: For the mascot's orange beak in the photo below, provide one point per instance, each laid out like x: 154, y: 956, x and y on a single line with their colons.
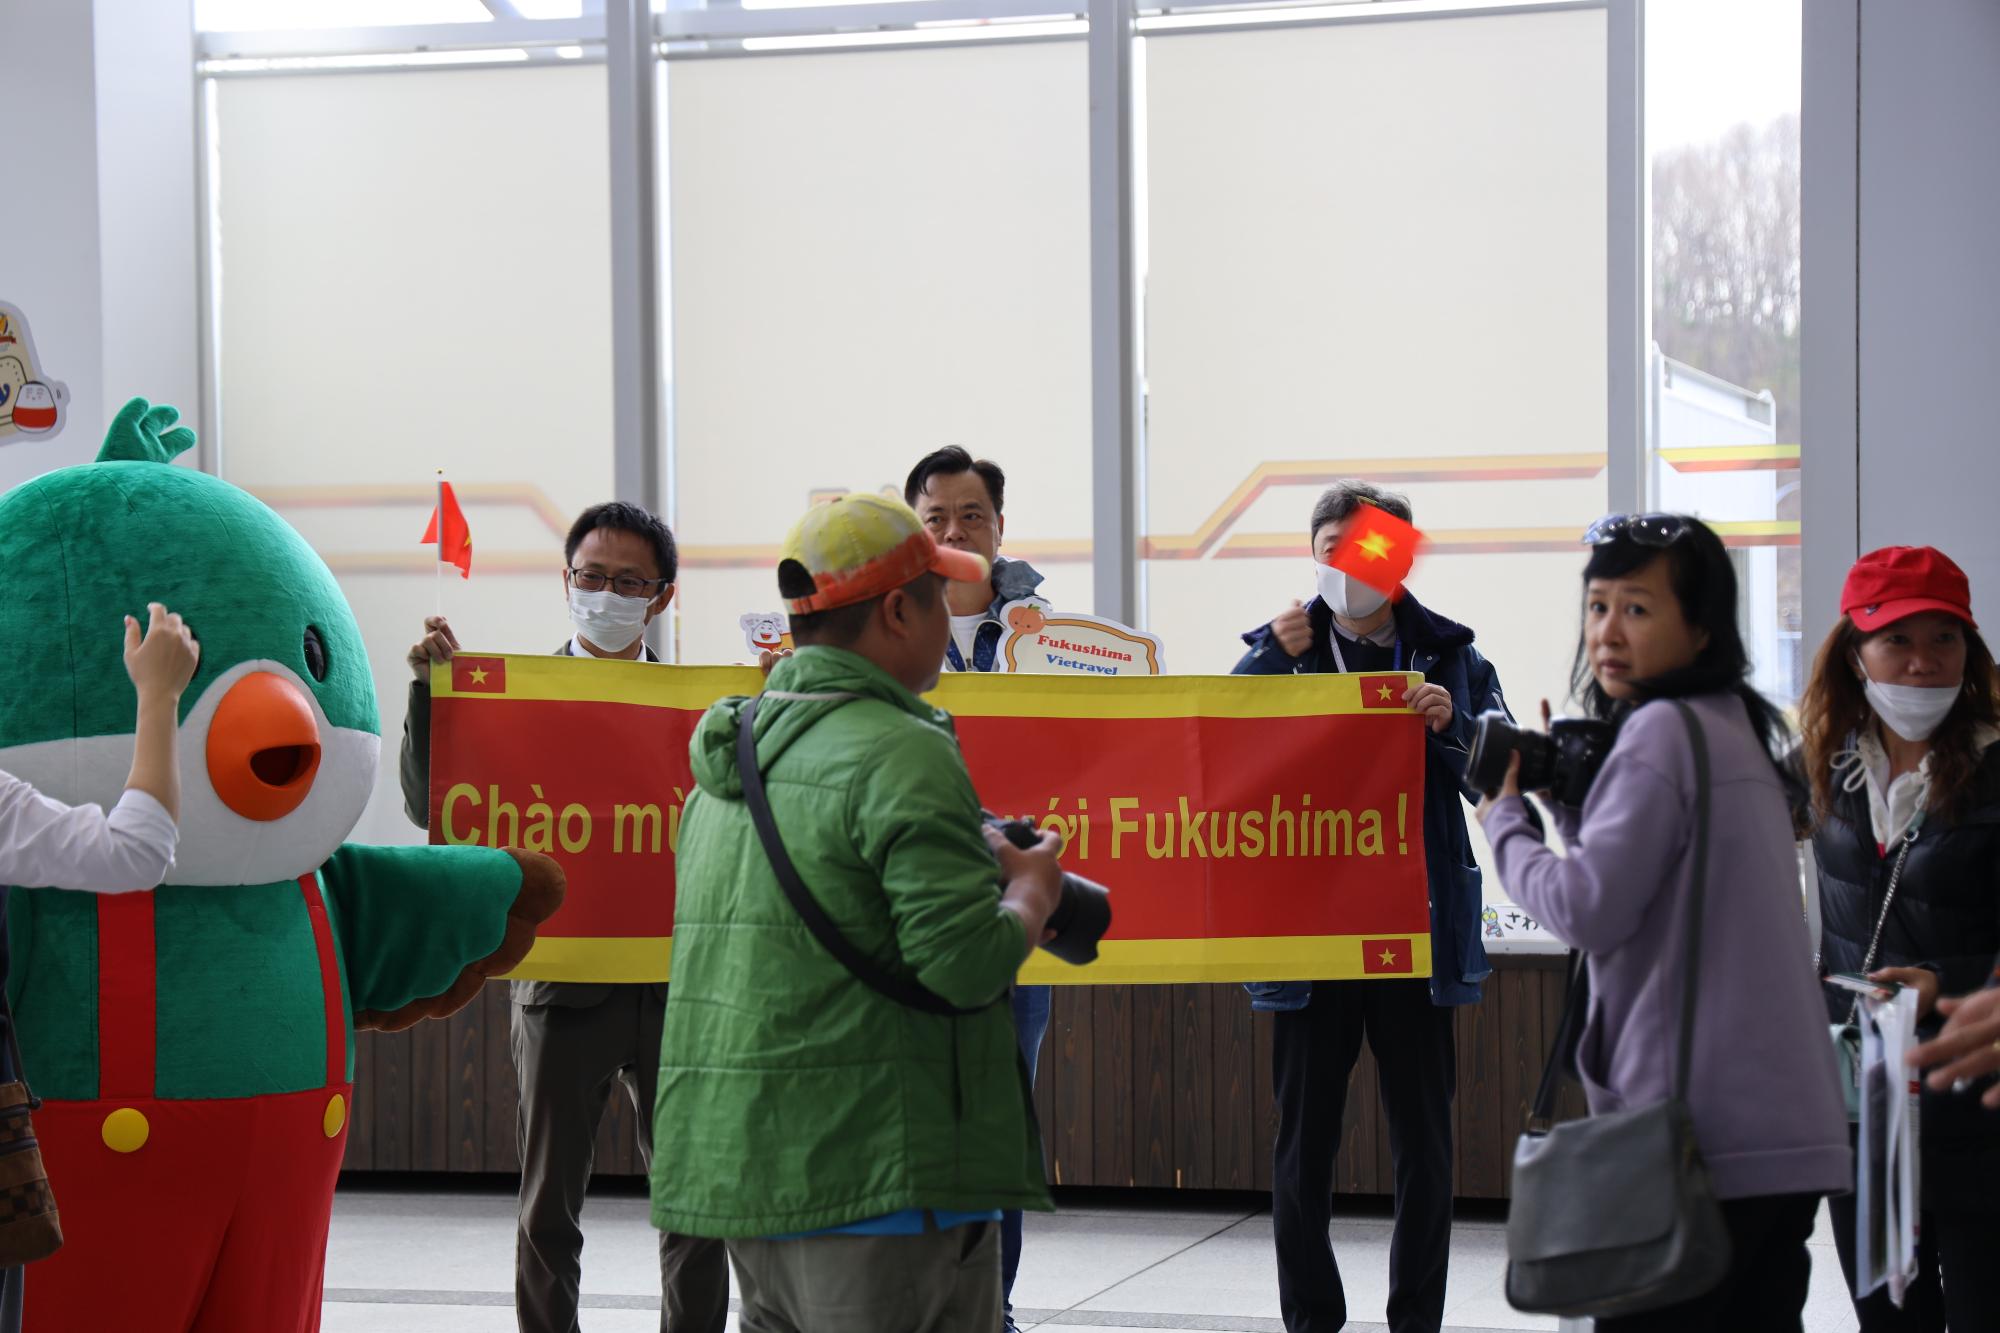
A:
x: 263, y: 747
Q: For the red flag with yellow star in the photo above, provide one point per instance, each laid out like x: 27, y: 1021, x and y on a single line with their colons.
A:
x: 1383, y: 691
x: 1390, y: 956
x: 479, y: 675
x: 450, y: 531
x: 1377, y: 548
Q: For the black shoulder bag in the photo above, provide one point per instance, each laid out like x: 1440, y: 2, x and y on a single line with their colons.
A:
x: 1615, y: 1215
x: 903, y: 990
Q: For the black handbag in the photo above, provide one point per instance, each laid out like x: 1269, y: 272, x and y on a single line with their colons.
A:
x: 905, y: 991
x: 1615, y: 1215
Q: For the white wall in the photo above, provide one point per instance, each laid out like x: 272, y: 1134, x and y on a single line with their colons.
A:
x: 48, y: 226
x: 97, y: 233
x: 1901, y: 445
x: 1930, y: 282
x: 146, y: 203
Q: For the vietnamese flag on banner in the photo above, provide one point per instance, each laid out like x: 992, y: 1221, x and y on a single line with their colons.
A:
x: 1377, y: 548
x: 1383, y: 691
x: 1392, y: 957
x: 479, y: 675
x: 450, y: 531
x: 1233, y: 849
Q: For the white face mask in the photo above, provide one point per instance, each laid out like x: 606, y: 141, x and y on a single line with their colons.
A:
x: 1346, y: 596
x: 606, y: 619
x: 1911, y: 711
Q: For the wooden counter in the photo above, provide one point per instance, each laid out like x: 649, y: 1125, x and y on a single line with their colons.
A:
x: 1166, y: 1086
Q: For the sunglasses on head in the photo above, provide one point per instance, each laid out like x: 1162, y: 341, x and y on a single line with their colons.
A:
x: 1645, y: 529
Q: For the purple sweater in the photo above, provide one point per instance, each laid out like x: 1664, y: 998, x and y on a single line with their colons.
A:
x: 1764, y: 1090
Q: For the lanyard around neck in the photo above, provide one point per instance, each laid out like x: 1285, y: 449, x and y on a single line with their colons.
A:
x: 1340, y: 662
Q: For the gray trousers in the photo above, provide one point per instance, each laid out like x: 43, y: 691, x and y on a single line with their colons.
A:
x: 938, y: 1282
x: 567, y: 1060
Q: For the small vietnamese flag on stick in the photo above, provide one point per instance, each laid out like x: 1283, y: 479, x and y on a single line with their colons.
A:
x: 449, y: 530
x: 1377, y: 548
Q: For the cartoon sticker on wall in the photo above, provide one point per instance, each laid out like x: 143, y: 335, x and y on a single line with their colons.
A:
x: 766, y: 632
x: 32, y: 405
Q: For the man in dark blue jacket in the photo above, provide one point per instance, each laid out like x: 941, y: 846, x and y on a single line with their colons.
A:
x: 1352, y: 627
x: 962, y: 502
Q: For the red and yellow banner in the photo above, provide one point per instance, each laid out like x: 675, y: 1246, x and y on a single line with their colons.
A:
x: 1249, y: 828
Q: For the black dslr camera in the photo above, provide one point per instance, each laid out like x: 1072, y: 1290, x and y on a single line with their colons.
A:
x: 1083, y: 914
x: 1564, y: 762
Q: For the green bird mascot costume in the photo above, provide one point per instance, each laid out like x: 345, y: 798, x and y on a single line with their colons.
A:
x: 195, y: 1044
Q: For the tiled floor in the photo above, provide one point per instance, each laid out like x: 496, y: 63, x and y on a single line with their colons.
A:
x: 415, y: 1261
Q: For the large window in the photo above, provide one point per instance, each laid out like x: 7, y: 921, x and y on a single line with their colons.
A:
x: 414, y: 276
x: 1368, y: 244
x: 874, y: 254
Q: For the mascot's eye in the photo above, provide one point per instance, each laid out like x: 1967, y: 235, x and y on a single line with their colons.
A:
x: 315, y: 650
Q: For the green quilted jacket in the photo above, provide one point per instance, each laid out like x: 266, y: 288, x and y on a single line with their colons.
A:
x: 793, y: 1098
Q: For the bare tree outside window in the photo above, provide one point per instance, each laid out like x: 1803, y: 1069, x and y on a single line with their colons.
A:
x: 1726, y: 283
x: 1726, y: 259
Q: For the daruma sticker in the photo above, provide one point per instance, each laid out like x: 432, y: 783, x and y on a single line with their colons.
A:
x: 1043, y: 642
x: 31, y: 404
x: 766, y: 632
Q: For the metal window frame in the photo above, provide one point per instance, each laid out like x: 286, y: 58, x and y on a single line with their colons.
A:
x: 212, y: 48
x: 629, y: 37
x: 1628, y: 284
x: 637, y: 414
x: 1116, y: 375
x: 208, y: 273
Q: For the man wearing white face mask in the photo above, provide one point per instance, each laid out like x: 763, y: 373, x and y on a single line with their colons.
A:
x: 1900, y: 722
x: 572, y: 1041
x: 1408, y: 1024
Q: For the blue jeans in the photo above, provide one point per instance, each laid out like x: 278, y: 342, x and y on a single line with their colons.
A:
x: 1031, y: 1023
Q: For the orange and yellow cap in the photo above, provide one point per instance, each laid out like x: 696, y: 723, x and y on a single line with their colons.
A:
x: 860, y: 546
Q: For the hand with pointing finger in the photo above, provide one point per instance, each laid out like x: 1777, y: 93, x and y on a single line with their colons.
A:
x: 162, y: 660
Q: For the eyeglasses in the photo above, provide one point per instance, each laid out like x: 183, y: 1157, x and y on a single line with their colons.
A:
x: 1645, y: 529
x: 625, y: 585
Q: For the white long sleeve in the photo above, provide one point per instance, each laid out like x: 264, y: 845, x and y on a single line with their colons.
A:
x: 46, y: 844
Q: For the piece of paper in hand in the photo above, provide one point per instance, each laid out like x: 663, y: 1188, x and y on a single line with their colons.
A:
x: 1886, y: 1193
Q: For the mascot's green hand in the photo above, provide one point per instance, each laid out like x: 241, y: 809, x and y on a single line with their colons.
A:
x: 143, y: 433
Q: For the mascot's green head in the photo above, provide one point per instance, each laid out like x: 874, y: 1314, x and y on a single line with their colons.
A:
x: 279, y: 730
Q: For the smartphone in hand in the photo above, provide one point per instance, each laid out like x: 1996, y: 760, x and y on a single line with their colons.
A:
x: 1861, y: 985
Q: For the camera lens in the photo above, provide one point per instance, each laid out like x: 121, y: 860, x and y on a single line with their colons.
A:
x: 1083, y: 910
x: 1080, y: 920
x: 1494, y: 741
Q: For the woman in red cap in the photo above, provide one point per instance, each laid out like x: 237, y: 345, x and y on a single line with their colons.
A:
x: 1899, y: 722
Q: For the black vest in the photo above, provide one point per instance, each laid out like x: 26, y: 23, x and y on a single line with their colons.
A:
x: 1946, y: 917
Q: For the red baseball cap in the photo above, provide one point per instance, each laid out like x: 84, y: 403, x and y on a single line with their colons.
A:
x: 1897, y: 581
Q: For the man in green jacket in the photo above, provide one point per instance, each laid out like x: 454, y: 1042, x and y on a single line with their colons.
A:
x: 854, y: 1151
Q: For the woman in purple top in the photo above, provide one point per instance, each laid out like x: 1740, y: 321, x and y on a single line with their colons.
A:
x: 1659, y: 622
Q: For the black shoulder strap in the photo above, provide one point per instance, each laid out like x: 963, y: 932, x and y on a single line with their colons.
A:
x: 864, y: 969
x: 1696, y: 900
x: 1573, y: 1002
x: 1575, y: 992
